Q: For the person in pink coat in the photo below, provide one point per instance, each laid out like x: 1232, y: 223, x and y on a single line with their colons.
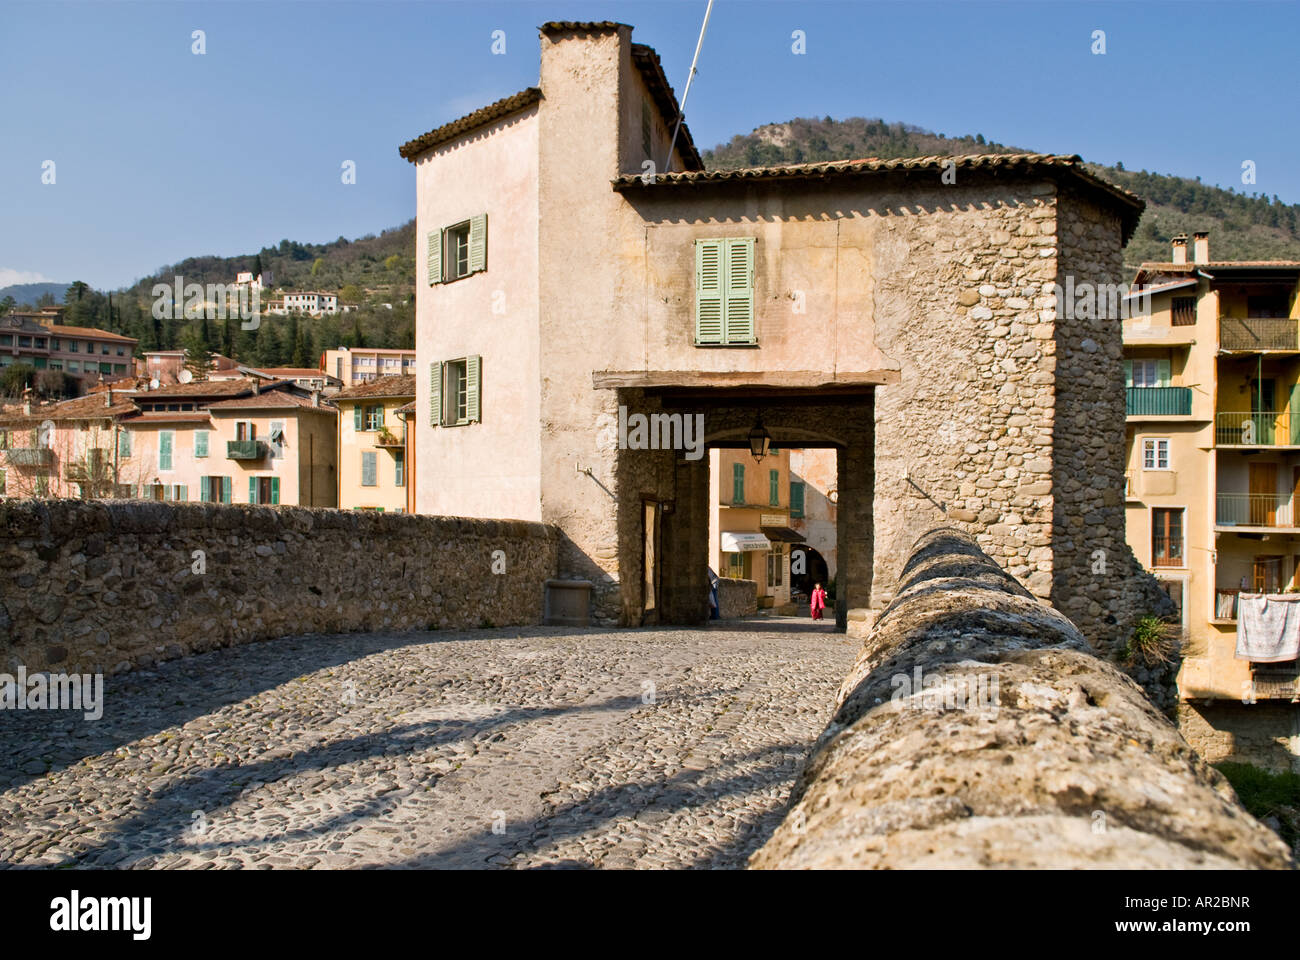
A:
x: 817, y: 603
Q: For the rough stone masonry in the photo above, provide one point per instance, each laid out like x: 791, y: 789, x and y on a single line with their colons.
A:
x: 1069, y: 766
x: 102, y: 586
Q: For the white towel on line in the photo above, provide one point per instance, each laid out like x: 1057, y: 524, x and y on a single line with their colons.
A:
x: 1268, y: 627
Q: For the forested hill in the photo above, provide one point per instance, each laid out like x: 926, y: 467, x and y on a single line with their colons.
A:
x: 1242, y: 226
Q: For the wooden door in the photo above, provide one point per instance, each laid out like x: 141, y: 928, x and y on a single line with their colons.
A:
x: 1266, y: 574
x: 650, y: 562
x: 1263, y: 494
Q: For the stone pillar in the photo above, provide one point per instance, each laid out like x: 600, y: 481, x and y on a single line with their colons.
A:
x: 856, y: 484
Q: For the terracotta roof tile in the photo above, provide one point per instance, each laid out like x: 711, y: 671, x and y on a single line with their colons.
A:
x: 271, y: 400
x: 580, y: 26
x: 200, y: 388
x: 1046, y: 164
x: 395, y: 386
x: 484, y: 115
x: 90, y: 332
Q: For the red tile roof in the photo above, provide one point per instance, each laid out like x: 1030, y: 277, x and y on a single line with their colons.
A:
x: 395, y: 386
x: 1055, y: 166
x: 90, y: 333
x: 484, y: 115
x: 290, y: 373
x: 271, y: 400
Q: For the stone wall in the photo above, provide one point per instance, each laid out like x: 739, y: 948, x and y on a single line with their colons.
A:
x: 100, y: 586
x: 978, y: 730
x: 737, y: 598
x: 1265, y: 733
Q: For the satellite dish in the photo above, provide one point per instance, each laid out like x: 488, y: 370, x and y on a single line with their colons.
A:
x: 184, y: 376
x: 154, y: 384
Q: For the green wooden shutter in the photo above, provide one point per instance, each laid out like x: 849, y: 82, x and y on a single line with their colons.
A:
x: 435, y: 256
x: 737, y: 483
x: 367, y: 469
x: 739, y: 304
x: 1128, y: 373
x: 708, y: 291
x: 399, y: 468
x: 357, y: 418
x: 275, y: 489
x: 182, y: 492
x: 796, y: 499
x: 124, y: 443
x: 473, y: 380
x: 225, y: 489
x: 1162, y: 373
x: 252, y: 489
x: 205, y: 489
x: 200, y: 443
x: 774, y: 488
x: 165, y: 450
x: 478, y: 243
x: 435, y: 394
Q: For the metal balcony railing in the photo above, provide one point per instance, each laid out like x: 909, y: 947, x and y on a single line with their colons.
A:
x: 1261, y: 428
x: 1158, y: 402
x: 245, y: 450
x: 1253, y: 510
x: 30, y: 456
x: 1259, y: 333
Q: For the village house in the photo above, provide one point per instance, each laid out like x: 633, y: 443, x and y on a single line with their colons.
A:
x: 572, y: 272
x: 373, y: 443
x: 229, y: 441
x: 1212, y: 485
x: 353, y: 365
x: 165, y: 365
x: 86, y: 353
x: 751, y: 503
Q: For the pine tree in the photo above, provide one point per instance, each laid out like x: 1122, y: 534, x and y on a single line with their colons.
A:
x: 198, y: 356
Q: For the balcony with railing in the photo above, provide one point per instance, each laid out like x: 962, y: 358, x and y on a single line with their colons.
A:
x: 1268, y: 510
x: 245, y: 450
x: 1158, y: 401
x: 1260, y: 428
x: 1263, y: 334
x: 29, y: 456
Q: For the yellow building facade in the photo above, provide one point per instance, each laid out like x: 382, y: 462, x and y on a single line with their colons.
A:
x: 1213, y: 481
x: 373, y: 463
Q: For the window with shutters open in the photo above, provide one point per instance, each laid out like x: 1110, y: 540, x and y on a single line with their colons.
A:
x: 457, y: 251
x: 724, y: 292
x: 456, y: 388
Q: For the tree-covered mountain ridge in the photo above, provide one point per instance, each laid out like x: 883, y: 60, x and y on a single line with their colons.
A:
x: 1242, y: 226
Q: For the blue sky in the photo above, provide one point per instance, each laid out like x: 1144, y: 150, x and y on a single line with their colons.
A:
x: 161, y: 154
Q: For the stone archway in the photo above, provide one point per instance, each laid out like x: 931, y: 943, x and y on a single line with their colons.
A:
x: 679, y: 483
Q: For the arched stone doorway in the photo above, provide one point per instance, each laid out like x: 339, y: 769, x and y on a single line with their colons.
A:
x: 807, y: 567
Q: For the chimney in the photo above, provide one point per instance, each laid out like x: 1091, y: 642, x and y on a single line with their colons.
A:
x: 108, y: 397
x: 1180, y: 248
x: 315, y: 398
x: 1201, y: 247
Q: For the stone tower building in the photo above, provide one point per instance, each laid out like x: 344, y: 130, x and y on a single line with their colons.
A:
x: 900, y: 312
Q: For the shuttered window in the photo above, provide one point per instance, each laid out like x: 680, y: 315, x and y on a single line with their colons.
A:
x: 275, y: 489
x: 201, y: 444
x: 737, y: 483
x: 368, y: 469
x: 225, y: 489
x: 458, y: 250
x: 205, y: 489
x: 399, y: 468
x: 774, y: 488
x: 724, y: 291
x: 796, y: 498
x: 166, y: 439
x: 456, y: 388
x: 357, y: 413
x: 435, y: 394
x: 435, y: 257
x: 124, y: 444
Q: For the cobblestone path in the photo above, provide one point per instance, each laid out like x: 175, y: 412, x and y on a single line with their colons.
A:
x: 537, y: 747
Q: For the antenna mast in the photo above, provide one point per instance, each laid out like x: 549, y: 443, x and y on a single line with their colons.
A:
x: 681, y: 109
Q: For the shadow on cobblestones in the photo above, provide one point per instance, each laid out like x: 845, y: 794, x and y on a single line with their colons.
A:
x: 649, y: 802
x: 141, y: 703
